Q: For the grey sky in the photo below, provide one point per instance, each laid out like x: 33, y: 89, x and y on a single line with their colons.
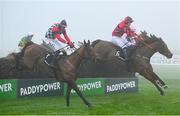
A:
x: 87, y: 19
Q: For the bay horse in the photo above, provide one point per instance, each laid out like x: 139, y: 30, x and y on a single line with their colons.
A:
x: 65, y: 69
x: 7, y: 65
x: 31, y: 58
x: 140, y: 58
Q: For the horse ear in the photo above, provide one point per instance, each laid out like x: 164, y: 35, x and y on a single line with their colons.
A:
x: 141, y: 32
x: 84, y: 42
x: 89, y: 42
x: 145, y: 32
x: 151, y: 35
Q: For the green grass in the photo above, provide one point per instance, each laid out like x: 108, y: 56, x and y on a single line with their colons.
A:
x: 146, y: 101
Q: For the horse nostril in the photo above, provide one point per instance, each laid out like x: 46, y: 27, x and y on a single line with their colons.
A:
x: 170, y: 55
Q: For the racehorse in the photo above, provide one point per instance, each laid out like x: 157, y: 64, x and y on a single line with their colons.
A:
x: 65, y: 69
x: 31, y: 58
x: 7, y: 65
x: 139, y: 59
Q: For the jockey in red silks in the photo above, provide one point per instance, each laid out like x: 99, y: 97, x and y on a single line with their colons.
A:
x: 124, y: 34
x: 55, y: 41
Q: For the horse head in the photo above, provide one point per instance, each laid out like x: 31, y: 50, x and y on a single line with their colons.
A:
x: 89, y: 52
x: 162, y: 47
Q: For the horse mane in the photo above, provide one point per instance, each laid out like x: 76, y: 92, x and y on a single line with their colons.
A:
x: 148, y: 39
x: 95, y: 42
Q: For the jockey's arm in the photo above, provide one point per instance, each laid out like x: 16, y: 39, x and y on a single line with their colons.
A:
x: 58, y: 36
x: 120, y: 28
x: 21, y: 42
x: 119, y: 31
x: 67, y: 37
x: 55, y: 31
x: 133, y: 35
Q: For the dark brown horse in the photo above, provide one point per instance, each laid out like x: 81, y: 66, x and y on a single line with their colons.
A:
x: 65, y: 66
x: 140, y: 58
x: 31, y: 58
x: 66, y: 69
x: 7, y: 67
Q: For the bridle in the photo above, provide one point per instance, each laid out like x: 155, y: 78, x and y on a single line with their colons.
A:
x: 82, y: 57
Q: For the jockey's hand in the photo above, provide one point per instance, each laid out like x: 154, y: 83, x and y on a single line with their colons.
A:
x: 71, y: 45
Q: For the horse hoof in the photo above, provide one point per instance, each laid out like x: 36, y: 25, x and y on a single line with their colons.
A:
x: 165, y: 86
x: 67, y: 105
x: 162, y: 94
x: 89, y: 105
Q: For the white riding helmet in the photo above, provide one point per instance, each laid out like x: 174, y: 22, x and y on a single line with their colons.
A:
x: 30, y: 34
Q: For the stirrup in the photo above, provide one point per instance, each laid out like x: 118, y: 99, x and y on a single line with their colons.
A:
x: 122, y: 58
x: 50, y: 65
x: 46, y: 62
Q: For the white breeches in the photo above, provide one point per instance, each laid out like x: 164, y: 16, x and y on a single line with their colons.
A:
x: 54, y: 44
x: 121, y: 41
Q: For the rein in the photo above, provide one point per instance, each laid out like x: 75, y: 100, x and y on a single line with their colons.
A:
x: 144, y: 57
x: 77, y: 52
x: 141, y: 40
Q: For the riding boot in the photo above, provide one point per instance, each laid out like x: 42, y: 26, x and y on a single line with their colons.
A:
x: 48, y: 59
x: 125, y: 52
x: 17, y: 58
x: 54, y: 56
x: 51, y: 63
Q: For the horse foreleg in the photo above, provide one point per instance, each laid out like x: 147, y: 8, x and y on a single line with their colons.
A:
x: 68, y: 94
x: 74, y: 86
x: 159, y: 81
x: 147, y: 74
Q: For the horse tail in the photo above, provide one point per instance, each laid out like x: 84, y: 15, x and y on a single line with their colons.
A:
x: 95, y: 42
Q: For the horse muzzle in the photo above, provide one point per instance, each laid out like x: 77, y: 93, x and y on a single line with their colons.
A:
x: 169, y: 55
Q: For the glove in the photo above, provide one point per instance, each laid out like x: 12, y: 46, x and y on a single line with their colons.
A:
x: 71, y: 44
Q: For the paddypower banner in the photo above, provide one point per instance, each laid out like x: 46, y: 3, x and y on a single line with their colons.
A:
x: 100, y: 86
x: 45, y: 87
x: 123, y: 85
x: 8, y: 89
x: 89, y: 86
x: 50, y: 87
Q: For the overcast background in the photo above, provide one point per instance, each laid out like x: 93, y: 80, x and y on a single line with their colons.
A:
x: 87, y: 19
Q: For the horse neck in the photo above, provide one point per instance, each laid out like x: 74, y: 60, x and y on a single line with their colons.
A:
x: 147, y: 51
x: 77, y: 57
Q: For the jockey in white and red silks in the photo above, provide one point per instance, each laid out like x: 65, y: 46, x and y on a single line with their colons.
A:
x: 124, y: 34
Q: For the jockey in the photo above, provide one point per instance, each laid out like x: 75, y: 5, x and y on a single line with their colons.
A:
x: 123, y: 35
x: 26, y: 39
x: 23, y: 43
x: 55, y: 41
